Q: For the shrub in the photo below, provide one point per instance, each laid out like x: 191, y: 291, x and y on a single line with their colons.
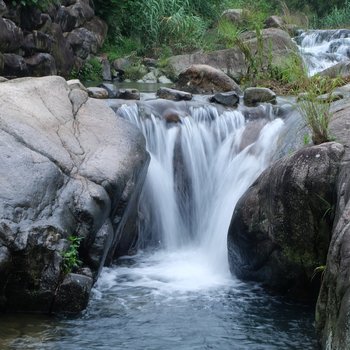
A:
x: 71, y: 255
x: 90, y: 71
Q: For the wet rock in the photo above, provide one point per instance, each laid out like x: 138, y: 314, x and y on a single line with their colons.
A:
x: 73, y: 294
x: 228, y: 99
x: 14, y: 65
x: 11, y: 36
x: 96, y: 92
x: 200, y: 78
x: 174, y: 95
x: 41, y: 64
x: 253, y: 96
x: 129, y: 94
x: 150, y: 77
x: 283, y: 214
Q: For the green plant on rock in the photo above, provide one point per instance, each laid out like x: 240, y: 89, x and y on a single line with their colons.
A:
x: 90, y: 71
x: 317, y: 116
x: 319, y: 270
x: 71, y: 255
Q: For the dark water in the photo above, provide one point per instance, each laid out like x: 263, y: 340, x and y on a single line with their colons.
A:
x: 138, y: 308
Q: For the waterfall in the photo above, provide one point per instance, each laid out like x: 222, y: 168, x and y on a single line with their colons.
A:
x: 322, y: 49
x: 199, y: 169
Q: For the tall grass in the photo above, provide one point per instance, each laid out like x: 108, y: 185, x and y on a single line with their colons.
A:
x: 338, y: 17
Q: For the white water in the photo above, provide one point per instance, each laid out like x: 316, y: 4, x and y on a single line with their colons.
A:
x: 322, y: 49
x: 187, y: 208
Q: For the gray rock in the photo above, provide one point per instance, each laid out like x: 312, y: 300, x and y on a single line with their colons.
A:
x: 74, y: 16
x: 284, y: 213
x: 121, y: 64
x: 332, y: 310
x: 61, y: 51
x: 229, y: 99
x: 73, y: 294
x: 11, y: 36
x: 69, y: 166
x: 76, y: 84
x: 150, y: 77
x: 99, y: 28
x: 97, y: 92
x: 164, y: 80
x: 341, y: 69
x: 3, y: 7
x: 174, y: 95
x: 252, y: 96
x: 37, y: 42
x: 106, y: 70
x: 14, y: 66
x: 78, y: 98
x: 128, y: 94
x: 111, y: 89
x: 41, y: 64
x: 83, y: 42
x: 235, y: 16
x: 202, y: 78
x: 274, y: 22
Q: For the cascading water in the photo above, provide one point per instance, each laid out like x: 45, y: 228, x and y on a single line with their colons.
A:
x: 322, y: 49
x: 197, y: 173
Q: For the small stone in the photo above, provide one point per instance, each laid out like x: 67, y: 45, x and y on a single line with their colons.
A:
x: 164, y: 80
x: 111, y: 89
x: 128, y: 94
x: 174, y: 95
x: 229, y: 99
x: 253, y: 96
x: 96, y: 92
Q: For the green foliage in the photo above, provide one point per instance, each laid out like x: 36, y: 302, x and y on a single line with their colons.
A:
x: 135, y: 71
x: 71, y: 256
x: 124, y: 47
x: 317, y: 115
x: 319, y: 270
x: 338, y: 17
x: 180, y: 24
x: 90, y: 71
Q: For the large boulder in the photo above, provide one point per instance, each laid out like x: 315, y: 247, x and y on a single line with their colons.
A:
x: 278, y: 45
x: 37, y: 42
x: 71, y: 171
x: 332, y: 311
x: 83, y: 42
x: 201, y: 78
x: 280, y: 230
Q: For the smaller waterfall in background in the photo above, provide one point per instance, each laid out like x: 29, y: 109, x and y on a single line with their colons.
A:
x: 199, y: 169
x: 322, y: 49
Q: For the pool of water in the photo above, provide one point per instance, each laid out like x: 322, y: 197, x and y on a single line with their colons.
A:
x: 168, y: 301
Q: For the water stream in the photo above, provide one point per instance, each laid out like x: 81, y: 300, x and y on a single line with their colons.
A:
x: 177, y: 292
x: 322, y: 49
